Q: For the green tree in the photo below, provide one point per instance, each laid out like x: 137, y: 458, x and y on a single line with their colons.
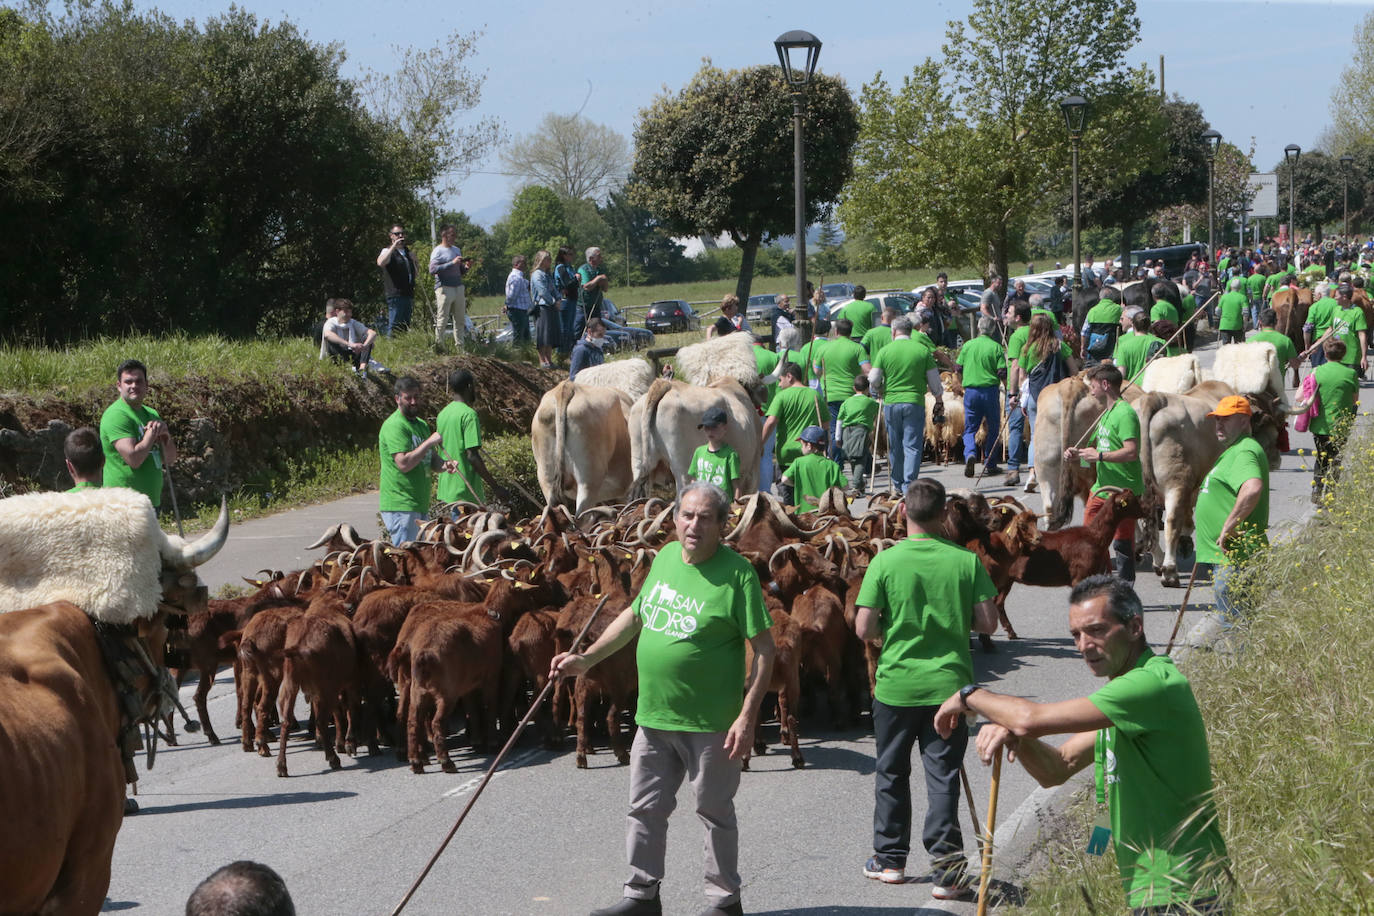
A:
x: 654, y: 256
x: 717, y: 156
x: 536, y: 221
x: 1352, y: 98
x: 578, y: 158
x: 951, y: 170
x: 1317, y: 189
x: 1231, y: 192
x: 830, y: 257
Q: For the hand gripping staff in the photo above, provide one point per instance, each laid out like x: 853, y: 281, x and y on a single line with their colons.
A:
x: 491, y: 770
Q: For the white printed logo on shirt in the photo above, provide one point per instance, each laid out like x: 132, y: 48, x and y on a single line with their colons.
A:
x: 670, y: 612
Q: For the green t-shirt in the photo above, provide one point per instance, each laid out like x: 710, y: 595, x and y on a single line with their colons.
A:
x: 1016, y: 343
x: 1255, y: 284
x: 811, y: 475
x: 1105, y: 312
x: 1243, y: 460
x: 720, y: 468
x: 1222, y: 265
x: 811, y: 355
x: 1164, y: 310
x: 924, y: 588
x: 861, y: 314
x: 84, y: 485
x: 796, y: 408
x: 904, y: 363
x: 695, y: 620
x: 1231, y: 307
x: 858, y: 410
x: 1028, y: 362
x: 459, y: 425
x: 408, y: 492
x: 1282, y: 345
x: 1157, y: 772
x: 841, y: 360
x: 1118, y: 425
x: 1132, y: 350
x: 922, y: 338
x: 590, y: 299
x: 765, y: 361
x: 1320, y: 316
x: 1337, y: 389
x: 981, y: 358
x: 121, y: 420
x: 1348, y: 322
x: 879, y: 337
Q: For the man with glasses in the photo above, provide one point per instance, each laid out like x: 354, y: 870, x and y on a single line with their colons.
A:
x: 448, y: 265
x: 398, y: 280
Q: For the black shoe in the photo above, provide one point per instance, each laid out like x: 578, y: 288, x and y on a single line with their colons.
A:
x: 732, y: 909
x: 992, y: 469
x: 632, y: 906
x: 970, y: 469
x: 130, y: 807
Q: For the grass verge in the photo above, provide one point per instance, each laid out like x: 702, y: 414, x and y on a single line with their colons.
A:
x: 1289, y: 726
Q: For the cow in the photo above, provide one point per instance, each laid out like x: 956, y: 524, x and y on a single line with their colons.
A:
x: 632, y: 376
x: 581, y: 443
x: 1061, y: 481
x: 1178, y: 447
x: 1291, y: 306
x: 664, y: 433
x: 68, y: 562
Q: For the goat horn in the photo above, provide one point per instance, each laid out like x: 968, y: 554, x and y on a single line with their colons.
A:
x: 349, y: 534
x: 781, y: 550
x: 746, y: 517
x: 325, y: 538
x: 475, y: 548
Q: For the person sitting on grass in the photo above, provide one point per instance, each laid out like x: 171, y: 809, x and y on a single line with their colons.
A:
x: 344, y: 338
x: 812, y: 474
x: 857, y: 416
x: 588, y: 351
x: 715, y: 462
x: 85, y: 459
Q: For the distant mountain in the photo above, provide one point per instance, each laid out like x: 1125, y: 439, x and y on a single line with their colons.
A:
x: 491, y: 214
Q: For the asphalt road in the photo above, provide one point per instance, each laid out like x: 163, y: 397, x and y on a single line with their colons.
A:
x: 547, y: 838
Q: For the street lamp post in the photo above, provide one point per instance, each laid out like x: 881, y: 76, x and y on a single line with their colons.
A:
x: 1291, y: 152
x: 797, y: 52
x: 1346, y: 161
x: 1213, y: 140
x: 1075, y: 109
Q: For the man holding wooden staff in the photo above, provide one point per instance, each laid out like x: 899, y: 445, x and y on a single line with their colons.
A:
x: 1145, y: 739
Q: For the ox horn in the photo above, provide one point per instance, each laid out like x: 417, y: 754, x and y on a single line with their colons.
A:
x: 188, y: 556
x: 326, y: 537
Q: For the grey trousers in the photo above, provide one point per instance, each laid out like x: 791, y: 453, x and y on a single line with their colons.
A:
x: 658, y: 762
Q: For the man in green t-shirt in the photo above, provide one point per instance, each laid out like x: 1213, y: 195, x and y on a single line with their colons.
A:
x: 1320, y: 317
x: 1135, y: 349
x: 592, y: 293
x: 1338, y: 390
x: 715, y: 462
x: 1143, y: 735
x: 405, y: 448
x: 84, y: 458
x: 982, y: 365
x: 1117, y: 457
x: 793, y: 409
x: 902, y: 373
x: 1351, y: 328
x: 135, y: 440
x: 839, y: 362
x: 1231, y: 312
x: 461, y: 432
x: 1101, y: 328
x: 1232, y: 514
x: 1283, y: 345
x: 811, y: 475
x: 880, y: 335
x: 699, y: 605
x: 858, y: 414
x: 859, y: 312
x: 922, y: 596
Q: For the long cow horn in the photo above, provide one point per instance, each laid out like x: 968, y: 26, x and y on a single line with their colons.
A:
x: 189, y: 556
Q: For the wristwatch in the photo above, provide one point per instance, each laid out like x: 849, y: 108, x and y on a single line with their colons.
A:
x: 965, y: 692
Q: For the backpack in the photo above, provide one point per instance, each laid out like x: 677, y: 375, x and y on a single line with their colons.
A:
x: 1101, y: 338
x: 1051, y: 369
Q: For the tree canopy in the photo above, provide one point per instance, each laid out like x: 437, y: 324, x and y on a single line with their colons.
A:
x: 717, y: 156
x: 576, y: 157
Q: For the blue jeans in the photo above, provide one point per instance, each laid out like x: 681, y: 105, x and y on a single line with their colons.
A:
x: 766, y: 463
x: 519, y: 325
x: 567, y: 320
x: 833, y: 450
x: 1317, y: 356
x: 982, y: 403
x: 398, y: 309
x: 579, y: 321
x: 402, y: 526
x: 906, y: 434
x: 1016, y: 436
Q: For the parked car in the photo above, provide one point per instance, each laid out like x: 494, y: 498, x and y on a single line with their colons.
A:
x: 671, y: 315
x: 760, y: 308
x: 902, y: 302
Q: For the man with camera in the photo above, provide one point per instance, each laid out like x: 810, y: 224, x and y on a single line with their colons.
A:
x: 447, y: 265
x: 398, y: 280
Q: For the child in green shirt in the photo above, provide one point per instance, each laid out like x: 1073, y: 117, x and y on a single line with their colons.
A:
x: 85, y: 459
x: 813, y: 473
x: 856, y: 418
x: 715, y: 462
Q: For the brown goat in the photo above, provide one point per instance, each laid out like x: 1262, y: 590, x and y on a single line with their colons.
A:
x: 321, y: 659
x: 1069, y: 555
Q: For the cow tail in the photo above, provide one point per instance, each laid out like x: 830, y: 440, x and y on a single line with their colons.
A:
x: 639, y: 437
x: 1062, y: 510
x: 557, y: 493
x: 1146, y: 407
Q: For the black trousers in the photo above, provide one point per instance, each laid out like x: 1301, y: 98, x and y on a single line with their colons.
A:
x: 340, y: 352
x: 897, y: 730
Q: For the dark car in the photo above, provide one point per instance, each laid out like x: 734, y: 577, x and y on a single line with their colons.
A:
x: 669, y: 315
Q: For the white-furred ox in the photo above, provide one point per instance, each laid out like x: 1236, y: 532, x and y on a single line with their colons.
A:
x: 581, y: 443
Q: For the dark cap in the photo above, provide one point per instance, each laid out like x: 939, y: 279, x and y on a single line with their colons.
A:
x: 813, y: 434
x: 713, y: 417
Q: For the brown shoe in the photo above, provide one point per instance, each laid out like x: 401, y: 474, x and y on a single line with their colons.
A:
x: 1012, y: 479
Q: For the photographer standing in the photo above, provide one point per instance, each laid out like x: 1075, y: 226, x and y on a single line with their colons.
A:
x: 448, y: 265
x: 398, y: 280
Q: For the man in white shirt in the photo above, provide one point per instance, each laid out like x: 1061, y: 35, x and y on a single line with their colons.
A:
x: 447, y: 265
x: 344, y: 338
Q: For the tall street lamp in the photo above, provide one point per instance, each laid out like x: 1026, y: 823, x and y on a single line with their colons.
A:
x: 1346, y: 161
x: 1075, y: 109
x: 1213, y: 140
x: 797, y: 52
x: 1291, y: 152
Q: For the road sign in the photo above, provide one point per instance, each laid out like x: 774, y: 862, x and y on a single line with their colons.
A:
x: 1265, y: 187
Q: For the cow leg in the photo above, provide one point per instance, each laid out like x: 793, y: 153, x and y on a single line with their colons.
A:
x: 207, y: 678
x: 581, y: 701
x: 286, y: 699
x: 619, y: 746
x: 1168, y: 569
x: 436, y: 731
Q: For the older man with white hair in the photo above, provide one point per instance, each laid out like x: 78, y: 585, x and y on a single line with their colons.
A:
x: 593, y: 291
x: 1320, y: 317
x: 902, y: 373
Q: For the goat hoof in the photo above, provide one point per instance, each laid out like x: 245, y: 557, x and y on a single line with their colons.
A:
x: 247, y: 747
x: 448, y: 766
x: 745, y: 766
x: 417, y: 768
x: 623, y: 758
x: 214, y: 741
x: 171, y: 740
x: 281, y: 770
x: 1011, y: 634
x: 264, y: 752
x: 351, y: 749
x: 798, y: 763
x: 335, y: 763
x: 581, y: 761
x: 986, y: 642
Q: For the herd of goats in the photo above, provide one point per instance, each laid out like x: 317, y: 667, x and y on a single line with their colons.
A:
x: 388, y: 642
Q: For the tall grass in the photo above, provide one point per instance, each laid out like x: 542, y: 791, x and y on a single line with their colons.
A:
x: 1289, y: 725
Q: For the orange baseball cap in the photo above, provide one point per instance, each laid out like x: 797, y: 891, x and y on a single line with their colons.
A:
x: 1230, y: 406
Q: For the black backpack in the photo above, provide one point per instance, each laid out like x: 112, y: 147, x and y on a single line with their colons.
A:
x: 1051, y: 369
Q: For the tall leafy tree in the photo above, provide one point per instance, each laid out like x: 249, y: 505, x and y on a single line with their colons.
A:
x: 576, y: 157
x: 1232, y: 193
x: 1318, y: 187
x: 536, y: 221
x: 717, y: 156
x: 1352, y: 98
x: 950, y: 166
x: 654, y: 256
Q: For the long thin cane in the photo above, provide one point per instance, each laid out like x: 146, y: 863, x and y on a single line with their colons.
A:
x: 877, y: 432
x: 491, y: 770
x: 972, y: 812
x: 1179, y: 618
x: 985, y: 878
x: 171, y: 488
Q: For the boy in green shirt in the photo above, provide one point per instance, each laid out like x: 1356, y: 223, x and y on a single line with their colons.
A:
x: 135, y: 440
x: 461, y: 432
x: 715, y: 462
x: 84, y: 459
x: 857, y: 416
x: 813, y: 473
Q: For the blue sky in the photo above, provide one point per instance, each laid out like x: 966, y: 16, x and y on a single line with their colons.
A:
x: 1258, y: 69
